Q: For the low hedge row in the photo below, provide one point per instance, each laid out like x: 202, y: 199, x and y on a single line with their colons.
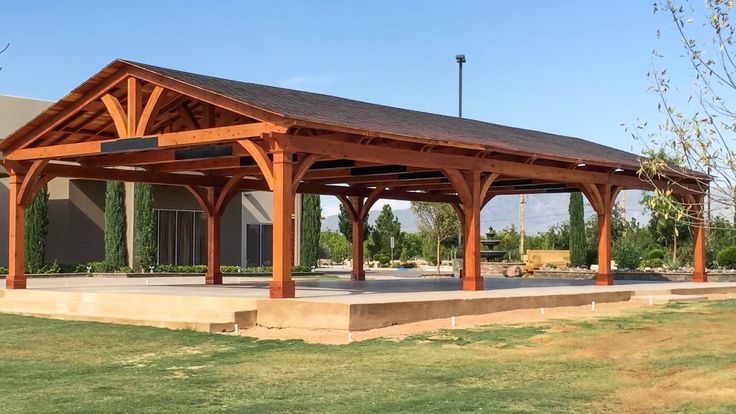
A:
x: 101, y: 267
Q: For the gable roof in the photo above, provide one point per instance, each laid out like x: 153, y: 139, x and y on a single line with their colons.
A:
x: 373, y: 119
x: 381, y: 119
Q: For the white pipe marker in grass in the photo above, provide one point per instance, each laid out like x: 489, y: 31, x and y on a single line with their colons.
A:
x: 592, y: 306
x: 651, y: 300
x: 350, y: 337
x: 453, y: 322
x: 237, y: 329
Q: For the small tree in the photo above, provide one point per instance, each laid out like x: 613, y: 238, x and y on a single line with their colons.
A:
x: 116, y: 255
x: 311, y: 229
x: 437, y: 221
x: 36, y: 230
x: 144, y: 244
x: 386, y: 226
x: 577, y: 230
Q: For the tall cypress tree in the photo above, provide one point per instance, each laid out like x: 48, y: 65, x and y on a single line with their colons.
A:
x: 116, y: 255
x: 577, y: 230
x: 311, y: 229
x: 36, y: 230
x: 144, y: 245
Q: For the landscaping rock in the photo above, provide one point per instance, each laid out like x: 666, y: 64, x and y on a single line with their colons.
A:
x: 513, y: 271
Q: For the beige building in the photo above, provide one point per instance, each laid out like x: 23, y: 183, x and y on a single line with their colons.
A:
x: 77, y: 215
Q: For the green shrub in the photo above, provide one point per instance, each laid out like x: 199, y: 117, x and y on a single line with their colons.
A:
x: 626, y: 255
x: 655, y: 254
x: 382, y: 259
x: 409, y: 265
x: 169, y: 268
x: 3, y: 270
x: 98, y: 267
x: 727, y: 257
x: 653, y: 262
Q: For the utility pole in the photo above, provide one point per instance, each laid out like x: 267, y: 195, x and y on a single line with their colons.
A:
x: 623, y: 204
x: 460, y: 60
x: 522, y: 231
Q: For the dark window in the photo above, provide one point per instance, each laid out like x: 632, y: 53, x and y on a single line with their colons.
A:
x: 258, y: 245
x: 182, y: 237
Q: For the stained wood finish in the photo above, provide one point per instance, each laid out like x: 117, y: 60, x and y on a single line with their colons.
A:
x: 271, y: 152
x: 602, y: 199
x: 16, y: 278
x: 358, y: 208
x: 282, y: 285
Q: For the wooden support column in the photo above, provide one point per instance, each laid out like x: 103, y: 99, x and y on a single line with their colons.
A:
x: 16, y: 278
x: 214, y: 275
x: 602, y: 198
x: 282, y: 285
x: 357, y: 208
x: 699, y: 272
x: 604, y: 275
x: 471, y: 188
x: 696, y: 205
x: 358, y: 273
x: 472, y: 279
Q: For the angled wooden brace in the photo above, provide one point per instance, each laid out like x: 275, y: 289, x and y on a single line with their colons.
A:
x: 30, y: 186
x: 261, y: 158
x: 200, y: 195
x: 301, y: 168
x: 227, y: 193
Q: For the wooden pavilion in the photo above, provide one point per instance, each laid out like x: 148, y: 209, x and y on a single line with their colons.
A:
x: 216, y: 137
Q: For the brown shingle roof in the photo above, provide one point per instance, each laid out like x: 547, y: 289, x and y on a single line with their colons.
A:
x: 348, y: 113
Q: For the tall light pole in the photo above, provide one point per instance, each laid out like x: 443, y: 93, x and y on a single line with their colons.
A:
x: 460, y: 60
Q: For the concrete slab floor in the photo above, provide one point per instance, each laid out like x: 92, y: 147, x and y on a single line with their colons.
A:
x: 379, y: 287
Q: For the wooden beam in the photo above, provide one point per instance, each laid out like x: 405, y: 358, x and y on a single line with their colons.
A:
x: 116, y: 111
x: 262, y: 160
x: 150, y: 111
x: 168, y: 140
x: 75, y: 106
x: 106, y: 174
x: 376, y: 154
x: 135, y: 105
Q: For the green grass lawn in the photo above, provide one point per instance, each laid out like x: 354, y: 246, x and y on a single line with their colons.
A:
x: 674, y: 359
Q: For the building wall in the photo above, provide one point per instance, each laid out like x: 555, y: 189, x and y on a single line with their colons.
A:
x: 15, y: 112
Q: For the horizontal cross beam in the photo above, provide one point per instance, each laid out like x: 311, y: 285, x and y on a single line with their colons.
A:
x: 167, y: 140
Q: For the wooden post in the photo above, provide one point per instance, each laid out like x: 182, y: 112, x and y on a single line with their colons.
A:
x: 604, y: 275
x: 601, y: 198
x: 282, y: 286
x: 472, y: 279
x: 699, y: 272
x: 16, y: 278
x: 214, y: 275
x: 358, y: 273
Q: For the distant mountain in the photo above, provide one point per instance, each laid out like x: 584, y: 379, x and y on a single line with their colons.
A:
x: 541, y: 212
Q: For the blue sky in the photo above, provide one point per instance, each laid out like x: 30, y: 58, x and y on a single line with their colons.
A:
x: 571, y: 67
